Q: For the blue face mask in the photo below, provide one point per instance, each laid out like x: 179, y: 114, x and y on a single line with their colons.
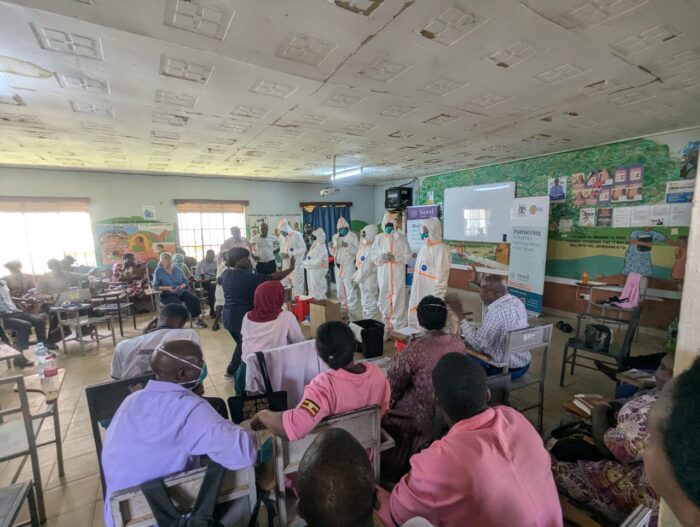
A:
x: 389, y: 229
x: 284, y: 233
x: 423, y: 235
x: 343, y: 231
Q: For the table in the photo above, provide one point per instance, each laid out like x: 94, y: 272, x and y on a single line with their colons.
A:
x: 116, y: 296
x: 639, y: 383
x: 8, y: 353
x: 50, y: 387
x: 76, y: 321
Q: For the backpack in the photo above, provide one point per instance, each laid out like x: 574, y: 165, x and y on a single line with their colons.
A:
x: 598, y: 337
x: 202, y: 514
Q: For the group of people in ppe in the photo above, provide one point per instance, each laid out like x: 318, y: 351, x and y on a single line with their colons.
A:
x: 371, y: 270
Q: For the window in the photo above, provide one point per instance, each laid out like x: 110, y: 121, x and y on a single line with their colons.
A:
x: 206, y: 224
x: 37, y: 229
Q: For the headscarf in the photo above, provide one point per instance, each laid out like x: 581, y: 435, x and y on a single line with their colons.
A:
x: 267, y: 302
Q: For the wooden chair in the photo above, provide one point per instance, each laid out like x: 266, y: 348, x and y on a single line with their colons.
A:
x: 616, y: 356
x: 364, y: 425
x: 11, y: 500
x: 130, y: 507
x: 103, y: 400
x: 532, y: 339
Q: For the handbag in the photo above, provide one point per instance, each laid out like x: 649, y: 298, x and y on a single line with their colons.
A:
x: 598, y: 337
x: 244, y: 407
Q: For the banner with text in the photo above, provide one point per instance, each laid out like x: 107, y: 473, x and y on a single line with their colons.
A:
x: 528, y: 250
x: 415, y: 217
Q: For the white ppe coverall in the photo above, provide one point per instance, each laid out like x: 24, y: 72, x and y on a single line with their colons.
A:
x: 344, y: 249
x: 366, y: 274
x: 292, y: 245
x: 316, y: 265
x: 390, y: 253
x: 431, y: 271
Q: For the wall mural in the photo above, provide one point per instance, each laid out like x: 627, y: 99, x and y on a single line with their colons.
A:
x: 590, y: 230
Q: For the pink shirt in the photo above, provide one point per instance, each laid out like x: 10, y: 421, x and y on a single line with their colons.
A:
x: 334, y: 392
x: 491, y: 470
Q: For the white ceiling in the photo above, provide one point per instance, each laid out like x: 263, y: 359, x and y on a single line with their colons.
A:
x: 271, y: 88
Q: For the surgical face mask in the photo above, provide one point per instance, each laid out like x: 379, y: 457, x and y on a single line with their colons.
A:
x: 284, y: 233
x: 203, y: 371
x: 424, y: 235
x: 343, y: 231
x: 312, y: 238
x: 389, y: 229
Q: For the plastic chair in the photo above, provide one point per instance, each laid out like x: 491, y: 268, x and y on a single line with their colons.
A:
x: 616, y: 356
x: 530, y: 339
x: 103, y: 401
x: 18, y: 438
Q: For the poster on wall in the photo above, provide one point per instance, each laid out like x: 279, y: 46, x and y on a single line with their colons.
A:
x: 587, y: 217
x: 144, y: 240
x: 680, y: 191
x: 556, y: 188
x: 528, y: 249
x: 604, y: 217
x: 149, y: 212
x: 414, y: 220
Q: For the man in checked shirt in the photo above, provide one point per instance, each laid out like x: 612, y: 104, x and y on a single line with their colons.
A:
x: 504, y: 313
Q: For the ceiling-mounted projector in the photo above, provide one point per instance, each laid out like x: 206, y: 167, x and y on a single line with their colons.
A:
x: 330, y: 189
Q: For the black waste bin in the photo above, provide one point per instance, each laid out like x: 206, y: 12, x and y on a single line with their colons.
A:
x: 372, y: 344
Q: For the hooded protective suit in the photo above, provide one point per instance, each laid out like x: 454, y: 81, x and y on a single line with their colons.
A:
x: 292, y: 245
x: 316, y: 265
x: 390, y: 253
x: 431, y: 271
x: 344, y: 249
x: 366, y: 274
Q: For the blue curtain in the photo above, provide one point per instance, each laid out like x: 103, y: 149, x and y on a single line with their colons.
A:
x: 326, y: 218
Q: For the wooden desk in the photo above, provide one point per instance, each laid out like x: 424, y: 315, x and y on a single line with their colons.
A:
x: 639, y: 383
x: 570, y: 407
x: 8, y: 353
x: 477, y: 354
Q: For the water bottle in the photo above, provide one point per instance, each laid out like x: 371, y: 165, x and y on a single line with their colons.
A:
x: 41, y: 355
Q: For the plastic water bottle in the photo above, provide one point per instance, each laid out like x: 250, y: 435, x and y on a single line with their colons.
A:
x: 41, y: 356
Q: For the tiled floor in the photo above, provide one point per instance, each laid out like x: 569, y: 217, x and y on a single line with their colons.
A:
x: 76, y: 499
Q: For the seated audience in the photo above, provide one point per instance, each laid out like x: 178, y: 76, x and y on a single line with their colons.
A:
x: 239, y: 283
x: 132, y: 357
x: 165, y: 427
x: 18, y: 282
x: 346, y: 386
x: 179, y: 261
x: 133, y: 279
x: 672, y: 458
x: 57, y: 280
x: 615, y: 485
x: 206, y: 272
x: 68, y: 264
x: 172, y: 283
x: 504, y: 313
x: 267, y: 325
x: 412, y: 408
x: 14, y: 319
x: 490, y: 470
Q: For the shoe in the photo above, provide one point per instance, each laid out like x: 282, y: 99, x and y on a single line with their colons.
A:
x: 22, y: 362
x: 215, y: 326
x: 566, y: 328
x: 200, y: 324
x: 606, y: 369
x: 50, y: 345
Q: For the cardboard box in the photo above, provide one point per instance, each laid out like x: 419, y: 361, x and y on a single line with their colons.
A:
x: 323, y: 311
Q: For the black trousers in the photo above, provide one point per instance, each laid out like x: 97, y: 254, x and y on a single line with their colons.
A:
x: 22, y: 324
x: 190, y: 300
x: 237, y: 353
x: 266, y: 267
x: 211, y: 296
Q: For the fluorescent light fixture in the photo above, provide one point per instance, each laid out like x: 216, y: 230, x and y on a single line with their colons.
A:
x: 348, y: 173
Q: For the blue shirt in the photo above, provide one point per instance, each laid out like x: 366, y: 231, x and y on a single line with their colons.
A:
x: 161, y: 430
x: 173, y: 279
x: 239, y: 290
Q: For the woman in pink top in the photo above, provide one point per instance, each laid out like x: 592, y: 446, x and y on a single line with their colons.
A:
x: 346, y: 386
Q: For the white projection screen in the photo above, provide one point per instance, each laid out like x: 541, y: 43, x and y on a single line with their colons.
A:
x: 480, y: 213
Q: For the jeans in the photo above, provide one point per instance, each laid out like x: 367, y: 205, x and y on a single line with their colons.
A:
x: 22, y: 324
x: 266, y: 267
x: 237, y: 353
x: 515, y: 373
x: 190, y: 300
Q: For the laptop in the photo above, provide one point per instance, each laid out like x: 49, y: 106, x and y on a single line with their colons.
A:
x: 80, y: 295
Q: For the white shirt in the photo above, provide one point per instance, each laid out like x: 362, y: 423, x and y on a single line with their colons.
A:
x: 503, y: 315
x: 262, y: 336
x: 132, y: 357
x: 263, y: 248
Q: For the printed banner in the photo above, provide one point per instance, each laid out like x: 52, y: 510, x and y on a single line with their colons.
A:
x: 528, y: 250
x: 414, y: 219
x: 680, y: 191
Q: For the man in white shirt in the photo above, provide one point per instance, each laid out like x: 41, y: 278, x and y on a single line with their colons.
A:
x: 264, y: 251
x: 132, y: 357
x: 504, y: 313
